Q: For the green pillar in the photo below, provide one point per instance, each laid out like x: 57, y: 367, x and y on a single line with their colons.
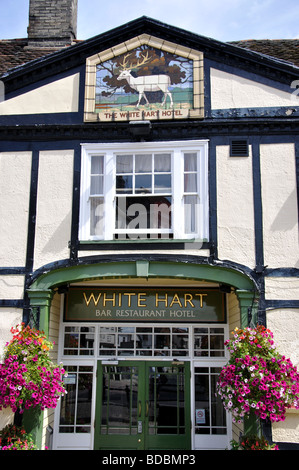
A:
x: 246, y: 299
x: 33, y: 418
x: 42, y: 299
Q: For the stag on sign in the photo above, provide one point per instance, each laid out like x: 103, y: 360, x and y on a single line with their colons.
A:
x: 145, y: 83
x: 144, y: 79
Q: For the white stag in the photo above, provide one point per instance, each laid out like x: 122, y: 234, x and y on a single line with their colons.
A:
x: 145, y: 83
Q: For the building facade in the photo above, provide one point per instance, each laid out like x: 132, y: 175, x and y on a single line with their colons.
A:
x: 149, y: 185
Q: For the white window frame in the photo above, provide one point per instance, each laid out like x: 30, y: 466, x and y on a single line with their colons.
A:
x: 177, y: 150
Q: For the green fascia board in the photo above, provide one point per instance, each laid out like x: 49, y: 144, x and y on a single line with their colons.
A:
x: 143, y: 268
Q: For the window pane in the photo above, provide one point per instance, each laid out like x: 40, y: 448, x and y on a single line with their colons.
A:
x: 143, y: 164
x: 97, y: 177
x: 217, y: 408
x: 97, y: 165
x: 144, y: 329
x: 124, y: 184
x: 144, y: 341
x: 202, y: 396
x: 125, y: 341
x: 201, y: 330
x: 190, y: 162
x: 162, y: 342
x: 162, y: 162
x: 191, y: 207
x: 84, y: 401
x: 217, y: 342
x: 87, y: 337
x: 162, y: 183
x: 143, y: 183
x: 217, y: 331
x: 124, y: 164
x: 119, y: 406
x: 68, y: 404
x: 96, y: 184
x: 162, y: 330
x: 201, y: 345
x: 190, y: 182
x: 97, y: 216
x: 180, y: 341
x: 107, y: 341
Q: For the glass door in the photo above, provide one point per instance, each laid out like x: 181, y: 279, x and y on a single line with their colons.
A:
x: 167, y: 406
x: 143, y: 405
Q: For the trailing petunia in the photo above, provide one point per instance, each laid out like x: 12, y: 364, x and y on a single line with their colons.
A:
x: 28, y: 377
x: 257, y: 377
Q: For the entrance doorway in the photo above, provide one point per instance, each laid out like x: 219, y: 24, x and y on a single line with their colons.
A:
x: 143, y: 405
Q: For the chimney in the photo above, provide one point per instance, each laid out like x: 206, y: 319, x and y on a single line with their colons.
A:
x: 52, y: 23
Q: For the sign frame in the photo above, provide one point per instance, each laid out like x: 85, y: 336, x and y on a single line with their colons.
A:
x: 196, y: 111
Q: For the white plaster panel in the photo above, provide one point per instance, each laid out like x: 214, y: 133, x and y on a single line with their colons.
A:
x: 279, y: 199
x: 11, y: 287
x: 284, y: 324
x: 15, y: 170
x: 282, y: 288
x: 235, y: 215
x: 54, y: 206
x: 61, y: 96
x: 9, y: 317
x: 288, y: 430
x: 231, y: 91
x: 6, y: 417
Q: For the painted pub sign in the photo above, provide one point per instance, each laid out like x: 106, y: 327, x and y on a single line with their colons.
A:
x: 155, y: 80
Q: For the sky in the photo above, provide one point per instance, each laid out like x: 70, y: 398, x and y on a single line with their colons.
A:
x: 224, y: 20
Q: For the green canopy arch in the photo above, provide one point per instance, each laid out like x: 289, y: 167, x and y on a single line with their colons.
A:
x: 46, y: 280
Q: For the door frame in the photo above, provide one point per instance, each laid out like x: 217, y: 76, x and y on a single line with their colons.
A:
x: 144, y: 440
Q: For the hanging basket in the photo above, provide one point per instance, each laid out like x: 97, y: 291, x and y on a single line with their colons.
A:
x: 28, y: 377
x: 257, y: 377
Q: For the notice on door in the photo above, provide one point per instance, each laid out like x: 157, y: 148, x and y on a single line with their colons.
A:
x: 175, y: 305
x: 200, y: 416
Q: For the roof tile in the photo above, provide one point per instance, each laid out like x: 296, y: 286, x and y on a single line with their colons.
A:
x: 14, y: 52
x: 285, y: 49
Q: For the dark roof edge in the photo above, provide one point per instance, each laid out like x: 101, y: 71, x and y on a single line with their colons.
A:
x: 147, y: 25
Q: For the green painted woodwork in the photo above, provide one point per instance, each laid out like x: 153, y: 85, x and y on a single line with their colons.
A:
x: 42, y: 299
x: 143, y: 268
x: 143, y: 405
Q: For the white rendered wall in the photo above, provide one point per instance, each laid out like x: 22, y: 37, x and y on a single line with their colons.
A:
x: 279, y: 199
x: 235, y: 216
x: 15, y: 171
x: 54, y: 207
x: 60, y: 96
x: 232, y: 91
x: 285, y: 326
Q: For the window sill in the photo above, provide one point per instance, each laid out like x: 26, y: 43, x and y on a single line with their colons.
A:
x: 143, y: 244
